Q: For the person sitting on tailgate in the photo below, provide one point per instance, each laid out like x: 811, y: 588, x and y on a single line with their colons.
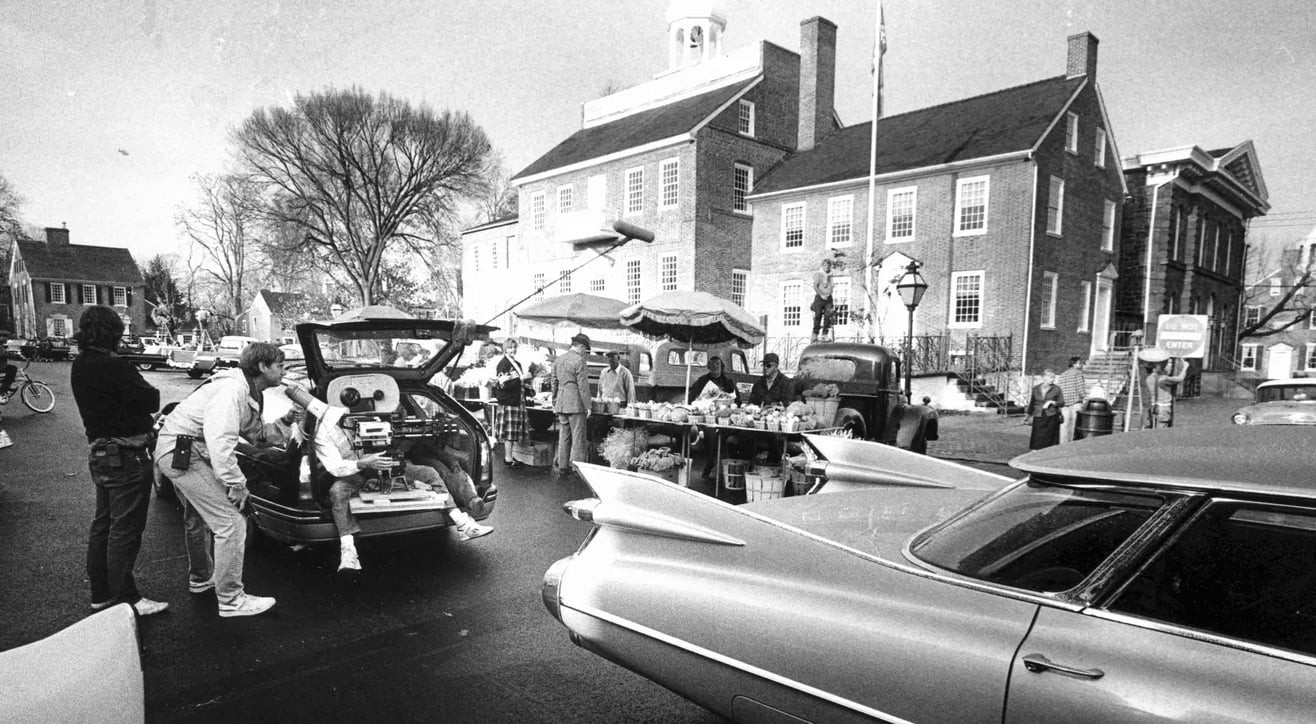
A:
x: 348, y: 467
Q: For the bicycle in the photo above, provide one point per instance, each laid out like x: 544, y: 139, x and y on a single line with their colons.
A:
x: 35, y: 394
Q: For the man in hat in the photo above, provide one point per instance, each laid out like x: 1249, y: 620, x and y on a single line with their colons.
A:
x: 773, y: 386
x: 616, y: 382
x: 570, y: 384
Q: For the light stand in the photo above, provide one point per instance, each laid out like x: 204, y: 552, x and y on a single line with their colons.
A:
x: 910, y: 287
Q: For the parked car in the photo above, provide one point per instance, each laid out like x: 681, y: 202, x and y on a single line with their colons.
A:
x: 1154, y: 576
x: 225, y: 354
x: 90, y: 671
x: 872, y: 405
x: 1281, y: 402
x: 50, y: 349
x: 344, y: 366
x: 671, y: 360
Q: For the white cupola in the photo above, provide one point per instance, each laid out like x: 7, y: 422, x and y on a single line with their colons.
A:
x: 694, y: 33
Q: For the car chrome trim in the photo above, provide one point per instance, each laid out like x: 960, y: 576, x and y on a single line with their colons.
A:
x: 1039, y: 664
x: 736, y: 664
x: 1200, y: 635
x: 638, y: 520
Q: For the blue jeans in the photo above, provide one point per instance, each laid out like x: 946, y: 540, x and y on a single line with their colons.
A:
x: 215, y: 531
x: 123, y: 496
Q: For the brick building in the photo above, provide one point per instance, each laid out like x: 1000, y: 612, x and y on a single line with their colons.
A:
x: 677, y: 155
x: 52, y: 281
x: 1185, y: 240
x: 1287, y: 345
x: 1010, y: 201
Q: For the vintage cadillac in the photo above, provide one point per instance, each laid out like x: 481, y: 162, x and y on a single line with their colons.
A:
x: 1163, y: 575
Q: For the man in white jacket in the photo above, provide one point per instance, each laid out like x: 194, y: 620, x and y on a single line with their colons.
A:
x: 348, y: 466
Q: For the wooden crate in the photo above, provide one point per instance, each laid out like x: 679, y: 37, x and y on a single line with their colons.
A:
x: 534, y: 454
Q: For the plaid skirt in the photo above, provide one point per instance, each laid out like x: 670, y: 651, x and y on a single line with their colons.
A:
x: 510, y: 423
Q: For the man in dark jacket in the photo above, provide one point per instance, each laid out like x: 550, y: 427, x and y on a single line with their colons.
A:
x: 773, y: 386
x: 718, y: 377
x: 116, y: 405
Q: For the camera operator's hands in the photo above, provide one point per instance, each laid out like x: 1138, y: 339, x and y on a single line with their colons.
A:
x: 375, y: 461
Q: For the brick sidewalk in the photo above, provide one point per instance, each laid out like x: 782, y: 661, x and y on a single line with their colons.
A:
x: 987, y: 437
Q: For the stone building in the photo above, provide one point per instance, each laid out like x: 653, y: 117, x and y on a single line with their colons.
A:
x: 1009, y: 201
x: 677, y: 155
x: 1185, y: 241
x: 52, y: 281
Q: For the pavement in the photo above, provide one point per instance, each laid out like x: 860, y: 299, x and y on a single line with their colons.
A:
x: 987, y: 437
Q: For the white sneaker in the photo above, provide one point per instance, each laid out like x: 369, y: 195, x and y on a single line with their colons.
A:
x: 200, y: 587
x: 467, y: 528
x: 147, y: 607
x: 246, y: 605
x: 348, y: 561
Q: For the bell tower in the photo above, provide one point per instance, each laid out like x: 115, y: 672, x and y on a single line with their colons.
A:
x: 694, y: 33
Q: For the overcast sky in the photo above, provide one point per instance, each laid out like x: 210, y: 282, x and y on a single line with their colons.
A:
x: 107, y: 107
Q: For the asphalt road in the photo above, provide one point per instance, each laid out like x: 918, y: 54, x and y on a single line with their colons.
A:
x: 433, y: 630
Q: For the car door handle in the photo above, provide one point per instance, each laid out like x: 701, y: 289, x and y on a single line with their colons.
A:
x: 1038, y: 663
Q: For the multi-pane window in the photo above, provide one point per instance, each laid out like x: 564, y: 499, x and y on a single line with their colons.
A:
x: 598, y: 286
x: 120, y: 295
x: 1099, y: 153
x: 966, y: 299
x: 1251, y: 316
x: 564, y: 282
x: 1085, y: 305
x: 1248, y: 355
x: 633, y: 281
x: 900, y: 205
x: 1309, y: 357
x: 971, y: 196
x: 1071, y: 132
x: 59, y: 327
x: 88, y: 293
x: 792, y: 226
x: 635, y: 190
x: 669, y: 181
x: 746, y: 118
x: 743, y: 181
x: 840, y: 224
x: 1055, y: 207
x: 1050, y: 290
x: 667, y: 273
x: 840, y: 301
x: 537, y: 213
x: 791, y: 307
x: 493, y: 255
x: 538, y: 283
x: 739, y: 281
x: 564, y: 199
x: 1108, y: 227
x: 57, y: 293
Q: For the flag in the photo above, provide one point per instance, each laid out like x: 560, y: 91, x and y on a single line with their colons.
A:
x: 879, y: 50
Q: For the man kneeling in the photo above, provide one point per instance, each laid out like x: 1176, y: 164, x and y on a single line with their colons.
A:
x: 339, y: 459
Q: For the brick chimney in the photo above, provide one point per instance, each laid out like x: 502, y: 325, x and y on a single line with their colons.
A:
x: 57, y: 237
x: 817, y: 80
x: 1082, y: 56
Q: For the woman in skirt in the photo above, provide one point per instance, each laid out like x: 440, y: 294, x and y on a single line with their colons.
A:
x: 510, y: 418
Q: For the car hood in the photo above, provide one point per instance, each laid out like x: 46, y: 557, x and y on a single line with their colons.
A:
x: 877, y: 521
x: 1279, y: 413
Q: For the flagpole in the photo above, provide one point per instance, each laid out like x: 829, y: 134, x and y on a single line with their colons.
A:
x: 879, y: 48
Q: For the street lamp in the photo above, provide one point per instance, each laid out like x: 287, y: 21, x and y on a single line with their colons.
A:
x: 910, y: 287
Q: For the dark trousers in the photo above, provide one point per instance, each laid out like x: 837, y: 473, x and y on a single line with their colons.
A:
x: 123, y: 496
x: 822, y: 315
x: 8, y: 381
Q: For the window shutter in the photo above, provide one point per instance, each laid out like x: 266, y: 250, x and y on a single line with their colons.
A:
x: 78, y: 288
x: 48, y: 297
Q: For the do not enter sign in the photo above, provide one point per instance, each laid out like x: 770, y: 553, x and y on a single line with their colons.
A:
x: 1183, y: 335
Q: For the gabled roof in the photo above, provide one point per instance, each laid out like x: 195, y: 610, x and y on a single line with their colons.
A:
x: 682, y: 116
x: 1009, y: 120
x: 79, y: 263
x: 280, y: 302
x: 500, y: 221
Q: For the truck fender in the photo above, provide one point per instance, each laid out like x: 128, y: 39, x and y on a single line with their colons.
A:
x: 848, y: 417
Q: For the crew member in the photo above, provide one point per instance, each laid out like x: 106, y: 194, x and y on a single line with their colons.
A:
x: 116, y: 405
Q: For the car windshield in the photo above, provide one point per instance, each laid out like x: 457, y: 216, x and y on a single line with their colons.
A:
x: 1277, y: 393
x: 1037, y: 536
x: 375, y: 348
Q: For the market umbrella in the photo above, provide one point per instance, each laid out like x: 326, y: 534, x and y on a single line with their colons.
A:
x: 584, y: 310
x: 693, y: 317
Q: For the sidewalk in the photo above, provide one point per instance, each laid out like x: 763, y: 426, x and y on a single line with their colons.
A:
x: 992, y: 438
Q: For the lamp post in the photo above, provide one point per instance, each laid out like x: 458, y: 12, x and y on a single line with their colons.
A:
x: 910, y: 287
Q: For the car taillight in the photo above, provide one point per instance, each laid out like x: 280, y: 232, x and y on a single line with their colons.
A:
x: 486, y: 461
x: 582, y: 510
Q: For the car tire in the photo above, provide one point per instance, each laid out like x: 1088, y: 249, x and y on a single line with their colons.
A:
x: 194, y: 374
x: 145, y: 366
x: 848, y: 418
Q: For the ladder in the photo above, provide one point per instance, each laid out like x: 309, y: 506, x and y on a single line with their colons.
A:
x: 1133, y: 400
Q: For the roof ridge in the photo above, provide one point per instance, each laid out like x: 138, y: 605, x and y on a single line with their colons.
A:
x: 965, y: 100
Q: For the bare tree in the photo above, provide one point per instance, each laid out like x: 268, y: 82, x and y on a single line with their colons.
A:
x: 11, y: 221
x: 360, y: 175
x: 1291, y: 278
x: 224, y: 230
x: 169, y: 308
x: 497, y: 199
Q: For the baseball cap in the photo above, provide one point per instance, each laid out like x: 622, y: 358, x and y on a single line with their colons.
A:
x: 771, y: 358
